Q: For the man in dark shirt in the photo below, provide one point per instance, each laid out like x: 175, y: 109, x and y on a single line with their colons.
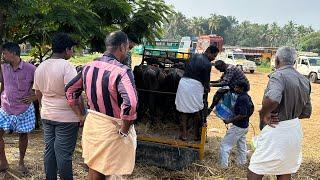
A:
x: 193, y: 84
x: 199, y: 68
x: 133, y: 41
x: 231, y: 75
x: 236, y: 134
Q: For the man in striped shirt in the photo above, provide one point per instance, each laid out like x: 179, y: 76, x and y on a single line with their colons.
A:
x: 110, y: 89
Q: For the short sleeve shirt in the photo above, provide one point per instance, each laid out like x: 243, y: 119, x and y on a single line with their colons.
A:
x: 243, y: 106
x: 50, y: 79
x: 291, y: 90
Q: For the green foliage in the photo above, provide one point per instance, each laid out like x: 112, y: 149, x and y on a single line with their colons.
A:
x: 36, y: 21
x: 264, y: 67
x: 177, y: 26
x: 238, y: 34
x: 310, y: 42
x: 80, y: 60
x: 40, y: 52
x: 148, y: 18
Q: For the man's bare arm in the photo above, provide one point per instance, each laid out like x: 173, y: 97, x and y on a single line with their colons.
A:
x: 268, y: 105
x: 39, y: 96
x: 78, y: 109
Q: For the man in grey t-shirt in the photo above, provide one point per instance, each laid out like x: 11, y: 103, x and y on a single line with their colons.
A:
x: 286, y: 100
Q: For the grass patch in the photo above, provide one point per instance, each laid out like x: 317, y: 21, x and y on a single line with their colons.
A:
x: 76, y: 60
x: 265, y: 67
x: 79, y: 60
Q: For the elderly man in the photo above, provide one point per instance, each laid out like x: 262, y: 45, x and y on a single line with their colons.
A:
x: 286, y: 100
x: 193, y: 84
x: 109, y: 138
x: 231, y: 76
x: 17, y: 111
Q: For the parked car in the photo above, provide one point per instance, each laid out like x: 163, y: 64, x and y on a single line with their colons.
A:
x: 309, y: 67
x: 237, y: 58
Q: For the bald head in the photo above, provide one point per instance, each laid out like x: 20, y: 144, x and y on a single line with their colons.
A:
x: 117, y: 44
x: 116, y: 39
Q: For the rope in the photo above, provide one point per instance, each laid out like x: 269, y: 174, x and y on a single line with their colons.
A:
x: 160, y: 92
x: 152, y: 91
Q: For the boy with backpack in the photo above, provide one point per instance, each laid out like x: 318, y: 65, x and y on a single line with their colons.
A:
x: 236, y: 134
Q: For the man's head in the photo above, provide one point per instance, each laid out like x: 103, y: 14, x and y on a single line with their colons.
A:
x: 117, y: 44
x: 11, y: 52
x: 221, y: 66
x: 212, y: 52
x: 285, y: 56
x: 133, y: 40
x: 241, y: 86
x: 63, y: 44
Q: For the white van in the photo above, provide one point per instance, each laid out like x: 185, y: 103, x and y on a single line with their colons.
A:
x: 309, y: 67
x: 237, y: 58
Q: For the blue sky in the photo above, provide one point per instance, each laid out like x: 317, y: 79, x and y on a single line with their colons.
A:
x: 306, y: 12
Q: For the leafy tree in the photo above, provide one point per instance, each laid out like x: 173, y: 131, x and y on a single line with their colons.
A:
x: 176, y: 27
x: 239, y: 34
x: 289, y: 34
x: 218, y: 24
x: 196, y: 26
x: 274, y: 34
x: 36, y: 21
x: 148, y: 18
x: 310, y: 42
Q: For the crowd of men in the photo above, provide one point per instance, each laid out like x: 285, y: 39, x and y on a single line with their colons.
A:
x: 109, y: 138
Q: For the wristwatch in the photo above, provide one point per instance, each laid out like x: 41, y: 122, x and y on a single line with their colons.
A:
x: 122, y: 134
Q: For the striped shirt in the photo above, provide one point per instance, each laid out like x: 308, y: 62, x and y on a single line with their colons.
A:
x: 109, y: 86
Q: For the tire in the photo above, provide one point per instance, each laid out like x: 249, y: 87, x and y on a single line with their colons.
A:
x: 251, y: 71
x: 313, y: 77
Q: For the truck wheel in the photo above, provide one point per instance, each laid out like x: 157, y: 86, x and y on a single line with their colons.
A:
x: 251, y: 71
x: 313, y: 77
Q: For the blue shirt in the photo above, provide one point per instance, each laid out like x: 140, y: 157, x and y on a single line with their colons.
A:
x: 243, y: 106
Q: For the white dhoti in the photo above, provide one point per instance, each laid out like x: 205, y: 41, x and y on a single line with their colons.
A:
x: 278, y: 149
x: 189, y: 97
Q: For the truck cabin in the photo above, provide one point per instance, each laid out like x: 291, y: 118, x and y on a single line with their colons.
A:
x: 187, y: 45
x: 206, y: 40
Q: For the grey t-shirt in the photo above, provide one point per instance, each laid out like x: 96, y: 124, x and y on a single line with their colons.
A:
x: 291, y: 90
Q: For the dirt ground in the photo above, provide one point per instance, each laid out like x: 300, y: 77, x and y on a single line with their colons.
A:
x: 206, y: 169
